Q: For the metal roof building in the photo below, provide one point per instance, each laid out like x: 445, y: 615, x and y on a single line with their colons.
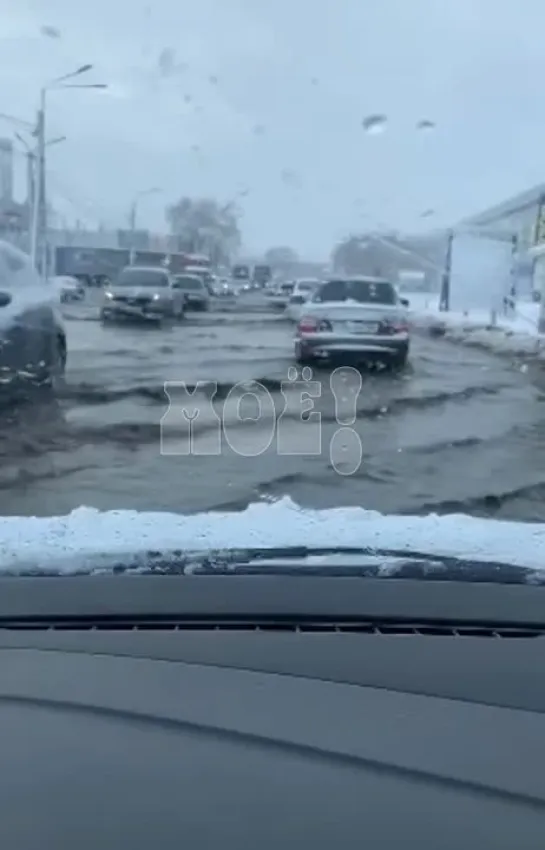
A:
x: 520, y: 215
x: 519, y: 203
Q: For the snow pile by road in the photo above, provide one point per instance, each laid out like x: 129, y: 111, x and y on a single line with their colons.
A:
x: 65, y: 542
x: 514, y: 335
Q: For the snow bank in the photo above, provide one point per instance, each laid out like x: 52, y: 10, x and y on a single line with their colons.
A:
x: 65, y: 542
x: 515, y: 335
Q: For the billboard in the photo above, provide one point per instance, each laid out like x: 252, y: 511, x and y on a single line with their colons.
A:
x: 6, y: 170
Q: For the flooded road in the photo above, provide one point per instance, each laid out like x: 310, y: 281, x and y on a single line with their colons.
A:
x: 460, y: 431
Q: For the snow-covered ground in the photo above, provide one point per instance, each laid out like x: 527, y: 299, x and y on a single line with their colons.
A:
x: 64, y: 543
x: 515, y: 334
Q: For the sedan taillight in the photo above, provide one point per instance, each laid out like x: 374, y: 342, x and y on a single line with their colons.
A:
x: 311, y: 325
x: 307, y: 325
x: 397, y: 327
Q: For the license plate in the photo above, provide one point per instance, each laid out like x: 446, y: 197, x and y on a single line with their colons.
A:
x: 362, y: 327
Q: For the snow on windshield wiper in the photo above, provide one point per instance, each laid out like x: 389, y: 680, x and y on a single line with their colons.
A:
x: 296, y: 561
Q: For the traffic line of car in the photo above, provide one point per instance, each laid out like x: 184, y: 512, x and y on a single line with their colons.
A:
x: 154, y: 294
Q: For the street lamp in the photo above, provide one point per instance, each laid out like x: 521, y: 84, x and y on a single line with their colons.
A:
x: 39, y: 218
x: 133, y: 210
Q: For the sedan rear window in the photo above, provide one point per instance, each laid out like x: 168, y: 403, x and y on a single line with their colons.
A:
x: 362, y: 291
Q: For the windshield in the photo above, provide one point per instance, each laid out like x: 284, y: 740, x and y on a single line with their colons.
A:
x: 141, y: 277
x: 368, y: 178
x: 241, y: 272
x: 365, y: 292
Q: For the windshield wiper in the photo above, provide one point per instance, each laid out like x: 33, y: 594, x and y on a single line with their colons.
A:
x: 335, y: 561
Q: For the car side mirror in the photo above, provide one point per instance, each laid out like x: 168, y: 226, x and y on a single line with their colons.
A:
x: 404, y: 302
x: 5, y: 299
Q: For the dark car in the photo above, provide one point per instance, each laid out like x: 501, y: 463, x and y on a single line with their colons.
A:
x: 262, y: 275
x: 32, y: 335
x: 240, y: 273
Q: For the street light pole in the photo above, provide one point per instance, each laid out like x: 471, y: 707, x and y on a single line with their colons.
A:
x: 39, y: 187
x: 39, y: 244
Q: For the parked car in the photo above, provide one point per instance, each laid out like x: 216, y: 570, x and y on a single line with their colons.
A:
x: 362, y: 317
x: 142, y: 292
x: 32, y: 334
x: 302, y: 291
x: 69, y: 288
x: 279, y: 296
x: 194, y: 291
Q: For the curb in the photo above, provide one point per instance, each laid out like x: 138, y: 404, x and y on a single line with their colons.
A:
x: 493, y: 339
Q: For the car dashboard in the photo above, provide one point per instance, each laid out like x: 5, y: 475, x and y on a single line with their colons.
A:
x: 271, y: 712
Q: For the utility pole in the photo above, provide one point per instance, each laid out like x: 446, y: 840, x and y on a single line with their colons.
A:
x: 444, y: 301
x: 132, y: 232
x: 30, y: 179
x: 35, y: 236
x: 133, y: 209
x: 43, y: 261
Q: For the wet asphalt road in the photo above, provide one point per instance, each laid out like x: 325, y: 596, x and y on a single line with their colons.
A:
x: 460, y: 431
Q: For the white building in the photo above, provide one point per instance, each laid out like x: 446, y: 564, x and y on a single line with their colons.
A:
x: 523, y: 217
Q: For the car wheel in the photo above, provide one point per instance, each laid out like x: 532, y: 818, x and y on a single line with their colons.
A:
x: 60, y: 364
x: 51, y: 375
x: 399, y: 361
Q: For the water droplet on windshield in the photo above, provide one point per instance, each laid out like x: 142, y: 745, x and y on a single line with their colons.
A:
x: 374, y: 124
x: 167, y: 62
x: 50, y: 32
x: 290, y: 178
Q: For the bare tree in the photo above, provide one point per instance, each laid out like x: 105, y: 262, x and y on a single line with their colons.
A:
x: 202, y: 225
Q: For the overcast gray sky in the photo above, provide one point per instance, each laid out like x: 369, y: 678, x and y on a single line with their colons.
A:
x: 222, y: 97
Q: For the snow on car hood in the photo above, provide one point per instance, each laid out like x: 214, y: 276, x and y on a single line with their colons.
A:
x: 58, y: 542
x: 21, y: 280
